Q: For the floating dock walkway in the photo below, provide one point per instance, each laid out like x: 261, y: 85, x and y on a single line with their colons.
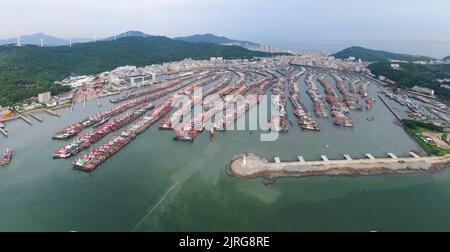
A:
x: 249, y: 166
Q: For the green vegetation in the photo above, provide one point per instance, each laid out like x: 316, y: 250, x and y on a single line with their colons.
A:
x: 375, y: 55
x: 415, y: 74
x: 26, y: 71
x: 416, y: 125
x: 417, y: 128
x: 445, y: 138
x: 210, y: 38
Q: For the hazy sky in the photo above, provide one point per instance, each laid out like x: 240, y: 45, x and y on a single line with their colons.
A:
x: 265, y: 21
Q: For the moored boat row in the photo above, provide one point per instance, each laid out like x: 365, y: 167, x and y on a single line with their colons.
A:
x: 320, y: 108
x: 340, y: 112
x: 91, y: 160
x: 87, y: 140
x: 306, y: 121
x: 352, y: 102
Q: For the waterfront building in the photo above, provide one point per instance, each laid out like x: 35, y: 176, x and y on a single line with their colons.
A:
x: 44, y: 97
x: 423, y: 90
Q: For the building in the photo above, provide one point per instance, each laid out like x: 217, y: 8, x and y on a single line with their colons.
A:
x: 268, y: 48
x: 44, y: 97
x: 216, y: 60
x: 395, y: 66
x: 423, y: 90
x: 140, y: 79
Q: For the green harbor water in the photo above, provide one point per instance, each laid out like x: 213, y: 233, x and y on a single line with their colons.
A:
x: 132, y: 190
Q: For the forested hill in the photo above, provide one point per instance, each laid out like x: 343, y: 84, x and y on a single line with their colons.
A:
x: 376, y: 55
x: 26, y: 71
x: 211, y: 38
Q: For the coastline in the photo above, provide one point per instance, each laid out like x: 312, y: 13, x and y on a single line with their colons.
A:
x: 251, y: 166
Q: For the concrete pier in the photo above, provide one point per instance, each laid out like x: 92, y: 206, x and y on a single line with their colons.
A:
x: 36, y: 117
x: 3, y: 132
x: 370, y: 156
x: 414, y: 155
x: 51, y: 112
x: 390, y: 109
x: 257, y: 167
x: 347, y: 157
x: 392, y: 155
x: 25, y: 119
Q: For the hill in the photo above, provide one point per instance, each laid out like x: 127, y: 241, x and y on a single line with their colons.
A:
x: 416, y: 74
x: 35, y: 39
x: 447, y: 58
x: 376, y: 55
x: 128, y: 34
x: 28, y: 70
x: 211, y: 38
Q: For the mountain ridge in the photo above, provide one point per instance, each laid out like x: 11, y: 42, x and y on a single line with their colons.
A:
x: 42, y: 66
x: 211, y: 38
x: 35, y: 39
x: 370, y: 55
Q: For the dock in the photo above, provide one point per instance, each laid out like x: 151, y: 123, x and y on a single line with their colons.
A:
x: 414, y: 155
x: 51, y: 112
x: 36, y: 117
x: 390, y: 109
x: 3, y: 132
x: 256, y: 167
x: 25, y: 119
x: 392, y: 155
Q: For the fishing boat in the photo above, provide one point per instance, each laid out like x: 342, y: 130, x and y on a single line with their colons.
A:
x: 103, y: 121
x: 7, y: 156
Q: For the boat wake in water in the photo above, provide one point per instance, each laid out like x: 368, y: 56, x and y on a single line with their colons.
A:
x: 156, y: 206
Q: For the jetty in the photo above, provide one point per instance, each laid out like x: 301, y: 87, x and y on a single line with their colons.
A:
x: 51, y: 112
x: 3, y: 132
x: 249, y: 166
x: 25, y: 119
x: 390, y: 108
x: 36, y: 117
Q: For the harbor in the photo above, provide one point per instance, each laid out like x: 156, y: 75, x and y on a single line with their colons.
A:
x: 131, y: 167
